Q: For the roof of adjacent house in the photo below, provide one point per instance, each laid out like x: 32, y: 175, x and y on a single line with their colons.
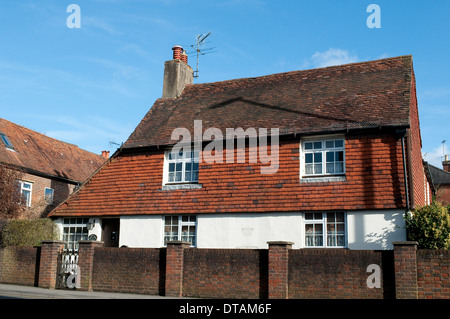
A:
x: 338, y: 98
x: 36, y: 152
x: 438, y: 176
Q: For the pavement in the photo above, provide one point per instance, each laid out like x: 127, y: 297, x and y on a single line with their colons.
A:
x: 27, y: 292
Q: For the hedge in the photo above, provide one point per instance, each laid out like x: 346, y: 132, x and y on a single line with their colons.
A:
x: 28, y: 232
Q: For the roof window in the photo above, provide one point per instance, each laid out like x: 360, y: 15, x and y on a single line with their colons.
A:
x: 6, y: 141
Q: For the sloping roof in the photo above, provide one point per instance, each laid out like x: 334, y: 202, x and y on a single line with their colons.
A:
x: 34, y: 151
x: 352, y: 96
x: 438, y: 176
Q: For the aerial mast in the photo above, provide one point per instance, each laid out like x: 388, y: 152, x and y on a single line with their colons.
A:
x: 199, y: 42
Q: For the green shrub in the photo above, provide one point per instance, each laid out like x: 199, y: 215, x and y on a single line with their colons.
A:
x: 430, y: 226
x: 28, y: 232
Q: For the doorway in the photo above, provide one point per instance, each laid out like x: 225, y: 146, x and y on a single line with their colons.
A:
x: 110, y: 232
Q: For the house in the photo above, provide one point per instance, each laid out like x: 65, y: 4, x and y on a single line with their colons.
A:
x: 329, y: 157
x: 440, y: 181
x: 49, y: 169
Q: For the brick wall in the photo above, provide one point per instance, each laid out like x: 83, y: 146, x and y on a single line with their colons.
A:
x: 225, y: 273
x: 279, y: 272
x: 18, y: 265
x: 415, y: 146
x: 129, y: 270
x: 433, y: 274
x: 334, y: 273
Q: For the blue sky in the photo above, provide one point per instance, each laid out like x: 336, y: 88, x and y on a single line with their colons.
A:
x: 92, y: 85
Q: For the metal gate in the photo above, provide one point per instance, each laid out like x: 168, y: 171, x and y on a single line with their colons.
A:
x: 68, y: 269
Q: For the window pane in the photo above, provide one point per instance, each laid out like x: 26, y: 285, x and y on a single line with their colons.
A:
x: 178, y: 177
x: 318, y: 216
x: 317, y: 145
x: 339, y: 143
x: 330, y: 157
x: 308, y: 158
x: 179, y: 167
x: 309, y: 216
x: 309, y: 169
x: 330, y: 217
x: 330, y: 168
x: 317, y: 157
x: 318, y: 169
x: 171, y: 167
x: 329, y: 144
x: 339, y: 217
x: 308, y: 146
x: 340, y: 156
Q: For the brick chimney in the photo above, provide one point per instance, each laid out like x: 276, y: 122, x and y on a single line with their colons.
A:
x: 446, y: 164
x: 177, y: 73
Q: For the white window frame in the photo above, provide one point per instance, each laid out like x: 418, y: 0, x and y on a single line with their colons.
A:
x: 323, y: 153
x: 174, y: 159
x: 74, y: 230
x: 24, y: 189
x: 180, y: 221
x: 324, y: 222
x: 49, y: 199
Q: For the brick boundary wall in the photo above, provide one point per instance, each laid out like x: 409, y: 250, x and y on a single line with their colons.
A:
x: 277, y: 272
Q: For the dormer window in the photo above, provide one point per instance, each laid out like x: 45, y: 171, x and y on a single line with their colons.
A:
x: 6, y: 141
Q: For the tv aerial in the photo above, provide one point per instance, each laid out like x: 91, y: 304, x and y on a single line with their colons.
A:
x: 199, y: 50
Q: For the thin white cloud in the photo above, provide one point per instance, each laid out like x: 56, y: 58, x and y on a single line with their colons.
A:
x: 89, y: 21
x: 435, y: 156
x: 331, y: 57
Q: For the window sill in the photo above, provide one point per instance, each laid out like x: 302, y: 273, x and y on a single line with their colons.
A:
x: 170, y: 187
x: 323, y: 179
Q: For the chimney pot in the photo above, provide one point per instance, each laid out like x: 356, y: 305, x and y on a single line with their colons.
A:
x: 105, y: 154
x: 184, y: 57
x: 177, y: 51
x: 446, y: 164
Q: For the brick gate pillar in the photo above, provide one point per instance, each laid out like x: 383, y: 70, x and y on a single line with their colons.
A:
x: 48, y: 264
x: 86, y: 262
x: 278, y: 268
x: 174, y: 268
x: 405, y: 269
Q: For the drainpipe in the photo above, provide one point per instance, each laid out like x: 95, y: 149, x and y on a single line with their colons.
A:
x: 405, y: 174
x: 402, y: 135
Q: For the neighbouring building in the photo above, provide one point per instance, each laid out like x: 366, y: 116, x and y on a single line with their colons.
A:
x: 440, y: 181
x: 49, y: 169
x: 341, y: 167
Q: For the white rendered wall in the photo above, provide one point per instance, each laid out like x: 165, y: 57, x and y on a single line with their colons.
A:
x: 141, y: 231
x: 375, y: 229
x: 248, y: 230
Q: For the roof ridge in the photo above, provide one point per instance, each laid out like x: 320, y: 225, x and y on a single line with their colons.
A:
x: 297, y: 71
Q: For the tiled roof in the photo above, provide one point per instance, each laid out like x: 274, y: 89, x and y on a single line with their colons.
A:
x: 37, y: 152
x: 360, y: 95
x: 438, y: 176
x: 352, y: 96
